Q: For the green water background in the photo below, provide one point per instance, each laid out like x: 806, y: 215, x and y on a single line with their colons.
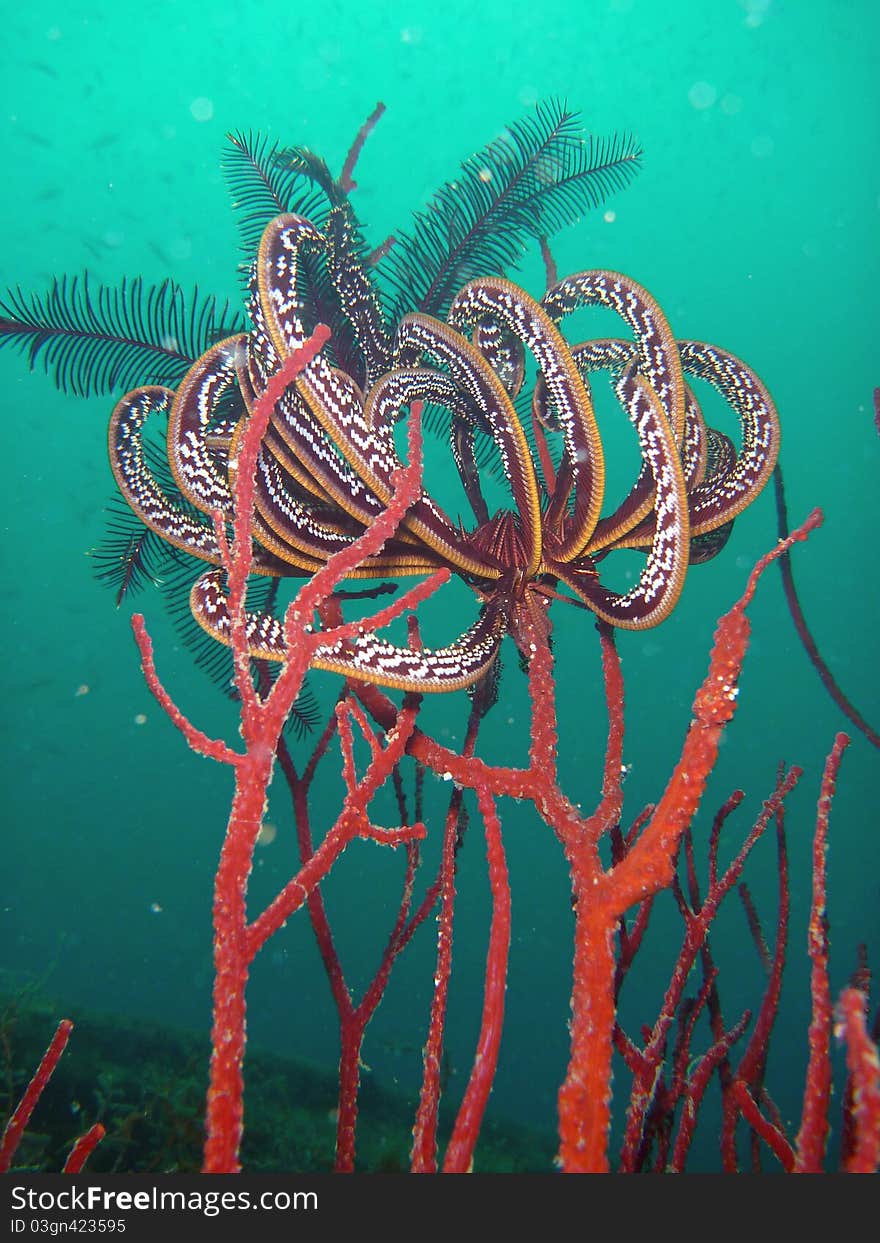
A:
x: 754, y: 222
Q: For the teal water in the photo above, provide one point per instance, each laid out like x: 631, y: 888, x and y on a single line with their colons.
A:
x: 754, y: 221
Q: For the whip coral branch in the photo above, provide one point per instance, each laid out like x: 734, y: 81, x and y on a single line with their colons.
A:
x: 648, y: 867
x: 21, y: 1116
x: 459, y: 1153
x: 353, y: 1018
x: 83, y: 1149
x: 800, y: 622
x: 236, y: 941
x: 864, y: 1067
x: 813, y: 1132
x: 346, y: 182
x: 697, y: 924
x: 750, y: 1071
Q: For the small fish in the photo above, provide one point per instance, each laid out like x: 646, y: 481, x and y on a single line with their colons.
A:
x: 31, y: 136
x: 104, y: 141
x: 42, y: 67
x: 94, y: 248
x: 160, y: 255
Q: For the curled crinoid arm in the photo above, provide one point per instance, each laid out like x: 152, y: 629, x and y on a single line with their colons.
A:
x: 730, y: 490
x: 365, y: 657
x: 420, y: 337
x: 137, y: 483
x: 201, y: 473
x: 656, y: 350
x: 659, y: 585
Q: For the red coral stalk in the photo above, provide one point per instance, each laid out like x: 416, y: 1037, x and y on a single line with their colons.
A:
x: 16, y: 1125
x: 459, y: 1154
x: 83, y: 1149
x: 584, y: 1099
x: 863, y: 1062
x: 813, y: 1132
